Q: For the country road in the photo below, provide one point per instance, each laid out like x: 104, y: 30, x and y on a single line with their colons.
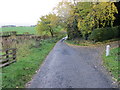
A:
x: 71, y: 67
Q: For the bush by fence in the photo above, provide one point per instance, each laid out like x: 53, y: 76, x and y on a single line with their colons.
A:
x: 107, y: 33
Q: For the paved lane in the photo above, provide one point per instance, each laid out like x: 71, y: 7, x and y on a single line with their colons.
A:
x: 71, y: 67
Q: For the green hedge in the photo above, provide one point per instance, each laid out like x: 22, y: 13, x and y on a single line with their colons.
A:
x: 101, y: 34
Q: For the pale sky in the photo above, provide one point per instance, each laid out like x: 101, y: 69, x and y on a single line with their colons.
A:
x: 24, y: 12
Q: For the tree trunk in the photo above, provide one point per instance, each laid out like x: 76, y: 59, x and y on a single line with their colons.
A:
x: 117, y: 20
x: 51, y: 32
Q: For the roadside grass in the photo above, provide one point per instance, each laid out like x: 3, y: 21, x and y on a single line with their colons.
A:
x: 19, y: 73
x: 112, y: 61
x: 79, y: 43
x: 89, y: 43
x: 19, y: 30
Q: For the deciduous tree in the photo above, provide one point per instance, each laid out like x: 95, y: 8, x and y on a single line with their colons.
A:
x: 47, y: 24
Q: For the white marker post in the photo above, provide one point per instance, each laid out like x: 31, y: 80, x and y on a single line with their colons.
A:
x: 65, y: 38
x: 107, y: 50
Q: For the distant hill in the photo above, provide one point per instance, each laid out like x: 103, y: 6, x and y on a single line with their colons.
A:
x: 9, y: 26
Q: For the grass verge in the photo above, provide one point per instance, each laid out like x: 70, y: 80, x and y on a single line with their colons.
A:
x: 111, y: 62
x: 89, y: 43
x: 18, y: 74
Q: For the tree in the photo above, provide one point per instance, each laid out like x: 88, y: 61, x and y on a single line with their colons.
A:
x: 83, y: 17
x: 83, y: 9
x: 67, y: 13
x: 47, y: 24
x: 96, y: 15
x: 63, y: 11
x: 117, y: 15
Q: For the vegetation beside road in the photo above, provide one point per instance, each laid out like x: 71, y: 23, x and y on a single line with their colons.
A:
x: 111, y: 62
x: 19, y: 73
x: 89, y: 43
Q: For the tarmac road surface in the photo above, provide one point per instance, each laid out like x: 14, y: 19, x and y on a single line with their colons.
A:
x: 71, y: 67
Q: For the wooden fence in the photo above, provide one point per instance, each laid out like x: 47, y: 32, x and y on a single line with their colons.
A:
x: 8, y: 57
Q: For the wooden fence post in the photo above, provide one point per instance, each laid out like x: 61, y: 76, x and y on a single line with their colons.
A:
x: 7, y: 54
x: 14, y: 54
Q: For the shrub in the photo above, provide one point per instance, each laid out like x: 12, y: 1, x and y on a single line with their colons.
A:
x: 101, y: 34
x: 116, y: 31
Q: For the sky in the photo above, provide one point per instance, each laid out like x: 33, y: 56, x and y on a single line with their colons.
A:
x: 24, y: 12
